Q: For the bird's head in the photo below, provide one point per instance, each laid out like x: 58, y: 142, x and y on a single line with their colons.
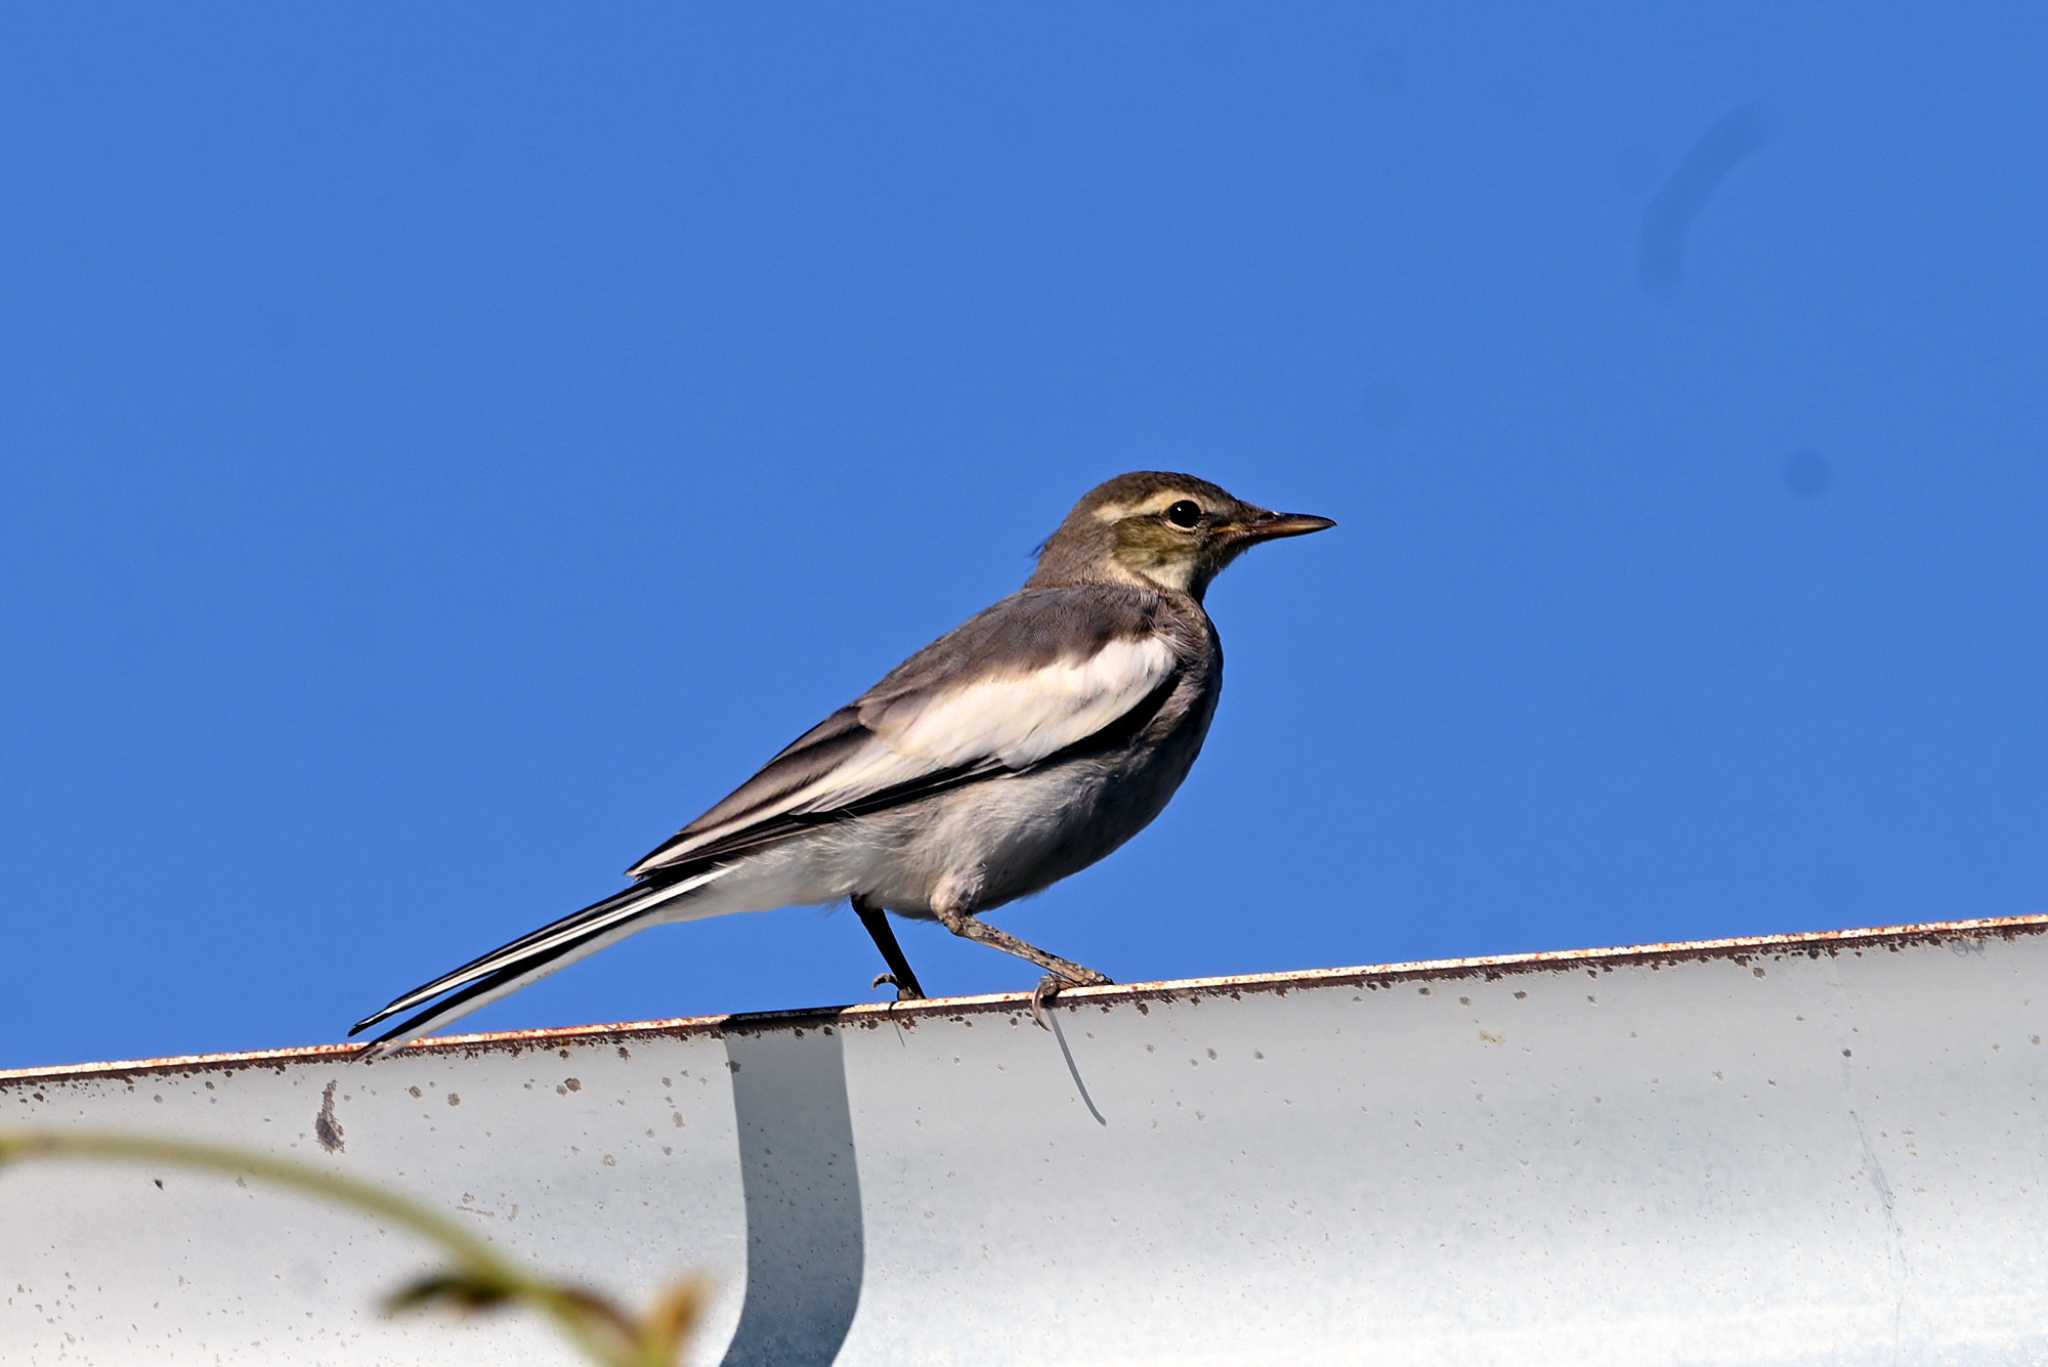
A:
x: 1161, y: 530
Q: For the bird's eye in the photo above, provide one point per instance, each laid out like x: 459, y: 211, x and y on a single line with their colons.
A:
x: 1185, y: 513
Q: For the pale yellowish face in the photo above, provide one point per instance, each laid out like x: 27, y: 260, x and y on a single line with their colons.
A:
x: 1175, y: 539
x: 1180, y: 539
x: 1158, y: 530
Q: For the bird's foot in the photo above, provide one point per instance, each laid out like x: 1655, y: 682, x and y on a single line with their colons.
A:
x: 905, y: 992
x: 1052, y: 984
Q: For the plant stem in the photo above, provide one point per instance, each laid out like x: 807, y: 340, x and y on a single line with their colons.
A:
x: 577, y: 1315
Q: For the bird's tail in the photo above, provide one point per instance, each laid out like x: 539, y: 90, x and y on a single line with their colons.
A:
x: 529, y: 958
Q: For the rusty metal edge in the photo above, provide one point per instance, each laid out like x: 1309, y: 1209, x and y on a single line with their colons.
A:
x: 872, y: 1015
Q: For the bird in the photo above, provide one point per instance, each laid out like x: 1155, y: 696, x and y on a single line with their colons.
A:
x: 1021, y: 747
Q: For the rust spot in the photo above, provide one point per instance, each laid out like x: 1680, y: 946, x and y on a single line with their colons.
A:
x: 573, y: 1084
x: 1756, y: 972
x: 1489, y: 1037
x: 624, y: 1052
x: 454, y: 1098
x: 1521, y: 995
x: 414, y: 1092
x: 326, y: 1128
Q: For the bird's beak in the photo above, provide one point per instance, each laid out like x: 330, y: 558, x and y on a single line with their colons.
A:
x: 1273, y: 526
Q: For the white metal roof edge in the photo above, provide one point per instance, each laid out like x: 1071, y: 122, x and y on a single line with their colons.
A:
x: 1734, y: 948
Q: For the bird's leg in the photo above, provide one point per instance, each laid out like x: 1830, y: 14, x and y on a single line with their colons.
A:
x: 1062, y: 972
x: 877, y: 922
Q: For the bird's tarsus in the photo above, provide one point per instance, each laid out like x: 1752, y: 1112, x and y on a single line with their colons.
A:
x: 876, y: 922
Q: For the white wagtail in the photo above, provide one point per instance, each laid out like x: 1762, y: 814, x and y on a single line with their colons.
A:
x: 1017, y: 749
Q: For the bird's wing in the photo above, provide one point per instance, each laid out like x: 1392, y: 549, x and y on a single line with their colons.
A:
x: 1039, y: 673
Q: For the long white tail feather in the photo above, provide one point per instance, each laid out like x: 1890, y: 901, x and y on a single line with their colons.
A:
x: 553, y: 948
x: 452, y: 1011
x: 625, y: 911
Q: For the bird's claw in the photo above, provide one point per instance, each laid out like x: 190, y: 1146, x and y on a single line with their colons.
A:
x: 1047, y: 985
x: 1050, y: 986
x: 903, y: 994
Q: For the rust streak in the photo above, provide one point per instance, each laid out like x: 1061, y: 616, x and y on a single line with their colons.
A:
x: 1492, y: 968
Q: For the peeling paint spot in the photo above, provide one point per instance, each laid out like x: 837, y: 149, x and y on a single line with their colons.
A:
x: 414, y: 1092
x: 326, y: 1128
x: 1489, y: 1037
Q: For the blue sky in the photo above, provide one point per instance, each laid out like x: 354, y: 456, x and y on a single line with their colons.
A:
x: 446, y: 447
